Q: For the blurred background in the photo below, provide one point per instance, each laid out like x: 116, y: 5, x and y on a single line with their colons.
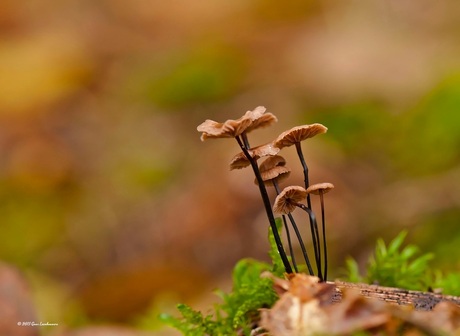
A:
x: 112, y: 208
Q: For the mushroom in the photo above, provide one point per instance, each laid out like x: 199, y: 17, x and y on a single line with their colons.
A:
x: 238, y: 129
x: 290, y: 198
x: 286, y: 202
x: 273, y: 170
x: 229, y: 129
x: 295, y: 136
x: 321, y: 189
x: 241, y: 160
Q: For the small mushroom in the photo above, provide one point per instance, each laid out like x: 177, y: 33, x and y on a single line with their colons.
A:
x: 295, y: 136
x: 238, y: 129
x: 234, y: 128
x: 264, y: 120
x: 289, y: 199
x: 298, y: 134
x: 286, y: 202
x: 321, y: 189
x: 240, y: 160
x: 273, y: 170
x: 229, y: 129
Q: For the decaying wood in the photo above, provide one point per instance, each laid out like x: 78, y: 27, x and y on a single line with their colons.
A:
x: 420, y: 300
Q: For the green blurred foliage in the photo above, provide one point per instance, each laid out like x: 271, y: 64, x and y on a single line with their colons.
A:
x: 430, y: 136
x: 204, y: 74
x: 438, y: 233
x: 422, y: 140
x: 32, y: 222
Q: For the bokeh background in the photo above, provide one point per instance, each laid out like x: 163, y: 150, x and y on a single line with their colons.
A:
x: 113, y: 209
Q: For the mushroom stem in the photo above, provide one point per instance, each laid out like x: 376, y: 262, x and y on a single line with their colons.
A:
x: 291, y: 250
x: 298, y: 147
x: 288, y: 234
x: 312, y: 216
x: 267, y: 205
x: 323, y: 221
x: 313, y: 226
x: 244, y: 136
x: 299, y: 236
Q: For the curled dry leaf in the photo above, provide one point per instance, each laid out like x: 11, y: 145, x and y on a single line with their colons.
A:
x: 356, y: 313
x: 305, y: 308
x: 299, y: 310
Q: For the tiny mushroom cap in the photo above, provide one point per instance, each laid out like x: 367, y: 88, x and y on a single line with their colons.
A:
x: 229, y: 129
x: 233, y: 128
x: 241, y: 161
x: 273, y: 168
x: 272, y: 161
x: 298, y: 134
x: 286, y: 201
x: 316, y: 188
x: 264, y: 120
x: 279, y: 173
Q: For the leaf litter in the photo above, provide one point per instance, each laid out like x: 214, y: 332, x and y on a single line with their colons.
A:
x: 306, y: 307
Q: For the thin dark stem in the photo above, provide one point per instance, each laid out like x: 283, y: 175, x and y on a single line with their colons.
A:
x: 298, y: 147
x: 288, y: 234
x: 323, y: 220
x: 302, y: 245
x: 267, y: 205
x: 244, y: 136
x: 313, y: 226
x: 298, y: 235
x: 312, y: 216
x: 291, y: 250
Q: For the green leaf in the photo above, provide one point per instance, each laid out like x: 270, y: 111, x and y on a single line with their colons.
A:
x: 396, y: 243
x: 248, y: 271
x: 352, y: 270
x: 395, y: 266
x: 421, y: 263
x: 409, y: 251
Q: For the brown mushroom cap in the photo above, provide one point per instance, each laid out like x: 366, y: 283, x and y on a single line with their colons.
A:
x: 229, y: 129
x: 233, y: 128
x: 298, y: 134
x: 263, y: 121
x: 272, y: 168
x: 279, y: 173
x: 272, y: 161
x: 240, y: 160
x: 316, y: 188
x: 286, y: 200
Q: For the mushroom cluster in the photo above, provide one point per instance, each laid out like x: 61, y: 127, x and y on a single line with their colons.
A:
x: 271, y: 172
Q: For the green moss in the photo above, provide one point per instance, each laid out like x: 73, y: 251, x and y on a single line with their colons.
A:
x: 403, y: 267
x: 240, y: 308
